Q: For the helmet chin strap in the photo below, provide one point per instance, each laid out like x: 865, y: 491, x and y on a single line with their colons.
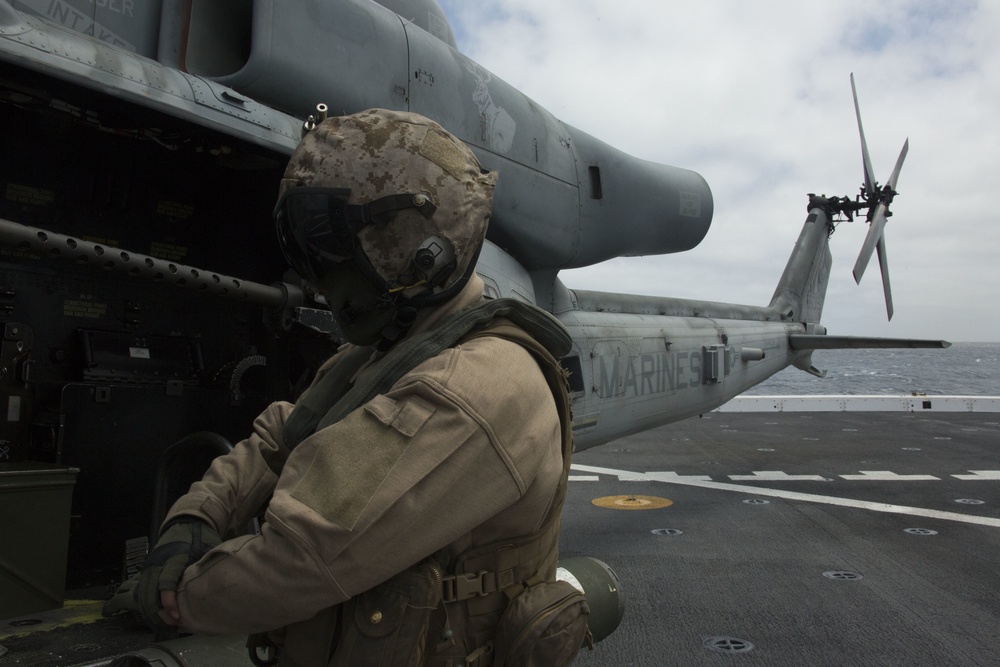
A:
x: 406, y: 313
x: 407, y: 308
x: 401, y: 324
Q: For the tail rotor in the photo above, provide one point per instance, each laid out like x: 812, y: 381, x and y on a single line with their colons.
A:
x: 877, y: 200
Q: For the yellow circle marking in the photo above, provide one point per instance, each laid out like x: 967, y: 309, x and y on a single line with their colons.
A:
x: 73, y: 612
x: 632, y: 502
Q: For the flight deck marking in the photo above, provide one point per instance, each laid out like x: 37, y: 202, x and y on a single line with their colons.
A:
x: 980, y: 475
x: 700, y: 482
x: 777, y: 476
x: 632, y: 502
x: 669, y: 477
x: 887, y: 476
x: 80, y: 612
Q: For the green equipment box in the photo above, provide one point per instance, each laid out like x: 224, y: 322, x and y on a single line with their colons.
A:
x: 35, y: 501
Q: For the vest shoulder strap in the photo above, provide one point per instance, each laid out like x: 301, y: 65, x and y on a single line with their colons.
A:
x: 545, y: 336
x: 506, y: 565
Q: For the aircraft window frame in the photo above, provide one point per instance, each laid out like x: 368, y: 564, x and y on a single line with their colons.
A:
x: 573, y: 364
x: 596, y: 189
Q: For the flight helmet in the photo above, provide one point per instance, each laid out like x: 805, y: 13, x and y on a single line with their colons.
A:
x: 384, y: 212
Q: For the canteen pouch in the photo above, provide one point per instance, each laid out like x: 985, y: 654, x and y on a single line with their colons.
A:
x: 387, y: 625
x: 544, y: 626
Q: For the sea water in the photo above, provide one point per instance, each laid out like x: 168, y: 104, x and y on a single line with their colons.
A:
x: 964, y: 369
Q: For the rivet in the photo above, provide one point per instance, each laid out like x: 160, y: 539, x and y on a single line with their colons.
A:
x: 419, y: 200
x: 377, y: 617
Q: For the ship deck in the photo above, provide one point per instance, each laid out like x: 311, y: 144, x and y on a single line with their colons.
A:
x: 799, y: 538
x: 790, y: 538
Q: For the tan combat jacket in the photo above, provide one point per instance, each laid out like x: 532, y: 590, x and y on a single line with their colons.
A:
x: 464, y: 450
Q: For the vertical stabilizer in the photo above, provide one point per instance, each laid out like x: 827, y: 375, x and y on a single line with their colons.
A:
x: 802, y: 288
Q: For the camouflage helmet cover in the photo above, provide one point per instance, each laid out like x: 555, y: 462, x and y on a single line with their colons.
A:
x: 379, y: 152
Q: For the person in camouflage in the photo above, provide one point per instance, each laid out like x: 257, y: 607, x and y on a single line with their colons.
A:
x: 402, y: 464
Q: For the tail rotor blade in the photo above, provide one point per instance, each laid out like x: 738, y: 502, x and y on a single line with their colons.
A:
x: 873, y: 238
x: 883, y: 262
x: 877, y: 200
x: 899, y: 165
x: 869, y: 172
x: 878, y: 217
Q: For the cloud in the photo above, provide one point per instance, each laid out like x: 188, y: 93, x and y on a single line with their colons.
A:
x: 756, y: 98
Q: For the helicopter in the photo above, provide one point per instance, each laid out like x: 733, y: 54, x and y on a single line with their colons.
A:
x: 149, y: 316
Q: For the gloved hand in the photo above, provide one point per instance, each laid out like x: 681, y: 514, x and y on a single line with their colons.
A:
x: 181, y: 544
x: 124, y: 598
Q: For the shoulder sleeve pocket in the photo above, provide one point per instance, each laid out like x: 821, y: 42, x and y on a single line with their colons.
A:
x: 407, y: 417
x: 353, y: 457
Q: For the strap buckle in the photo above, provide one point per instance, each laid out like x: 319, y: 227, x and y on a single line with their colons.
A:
x: 481, y: 657
x: 458, y: 587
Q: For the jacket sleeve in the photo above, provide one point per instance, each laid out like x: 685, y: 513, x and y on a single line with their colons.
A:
x: 237, y: 485
x: 452, y: 445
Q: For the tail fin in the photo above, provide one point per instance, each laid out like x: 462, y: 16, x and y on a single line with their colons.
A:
x: 802, y: 289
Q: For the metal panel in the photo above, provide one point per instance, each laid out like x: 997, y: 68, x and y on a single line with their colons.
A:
x: 351, y: 54
x: 116, y: 436
x: 33, y: 561
x: 133, y: 25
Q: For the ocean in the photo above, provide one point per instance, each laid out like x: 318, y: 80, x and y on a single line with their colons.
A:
x: 964, y: 369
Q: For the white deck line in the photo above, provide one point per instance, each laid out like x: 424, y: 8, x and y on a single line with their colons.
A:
x: 673, y: 478
x: 862, y: 403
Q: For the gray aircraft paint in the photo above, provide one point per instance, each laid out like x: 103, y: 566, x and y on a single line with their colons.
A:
x: 565, y: 199
x: 242, y: 77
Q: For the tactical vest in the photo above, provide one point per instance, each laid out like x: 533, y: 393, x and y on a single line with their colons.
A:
x: 416, y: 616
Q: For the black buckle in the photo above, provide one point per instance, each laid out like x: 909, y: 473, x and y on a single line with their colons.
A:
x: 464, y: 586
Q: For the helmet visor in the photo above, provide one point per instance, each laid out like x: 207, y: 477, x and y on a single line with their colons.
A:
x: 314, y: 232
x: 317, y: 228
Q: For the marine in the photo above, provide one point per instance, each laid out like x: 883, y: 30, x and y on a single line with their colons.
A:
x: 416, y: 488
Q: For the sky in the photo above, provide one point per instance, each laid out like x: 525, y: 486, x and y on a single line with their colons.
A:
x: 756, y: 98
